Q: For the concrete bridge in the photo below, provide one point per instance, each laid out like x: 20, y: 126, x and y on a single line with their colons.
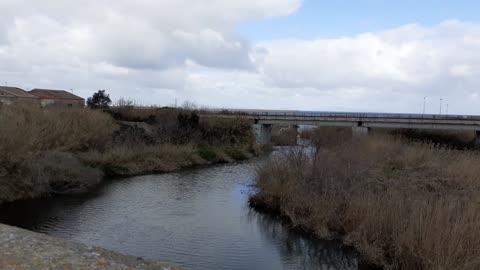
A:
x: 360, y: 123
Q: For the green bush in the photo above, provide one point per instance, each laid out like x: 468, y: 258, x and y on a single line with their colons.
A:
x: 206, y: 152
x: 236, y: 153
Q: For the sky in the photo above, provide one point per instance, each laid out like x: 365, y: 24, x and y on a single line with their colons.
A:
x: 362, y: 56
x: 333, y: 19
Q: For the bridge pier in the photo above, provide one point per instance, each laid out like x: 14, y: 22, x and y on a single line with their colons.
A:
x: 360, y: 130
x: 263, y: 133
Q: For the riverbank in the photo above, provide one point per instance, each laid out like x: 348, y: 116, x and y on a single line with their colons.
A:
x: 198, y: 219
x: 23, y: 249
x: 51, y: 151
x: 402, y: 205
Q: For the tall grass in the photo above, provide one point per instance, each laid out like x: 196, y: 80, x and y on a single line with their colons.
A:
x: 123, y: 160
x: 27, y: 131
x: 45, y: 151
x: 402, y: 205
x: 284, y: 135
x: 36, y: 149
x: 227, y: 131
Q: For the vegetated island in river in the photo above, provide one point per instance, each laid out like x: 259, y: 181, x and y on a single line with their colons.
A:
x: 402, y: 204
x: 50, y: 150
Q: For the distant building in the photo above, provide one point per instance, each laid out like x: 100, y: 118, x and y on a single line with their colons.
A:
x: 14, y: 95
x: 58, y: 98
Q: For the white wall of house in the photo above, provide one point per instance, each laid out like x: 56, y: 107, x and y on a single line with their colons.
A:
x: 46, y: 102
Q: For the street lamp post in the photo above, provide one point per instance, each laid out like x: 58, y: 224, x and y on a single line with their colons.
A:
x: 424, y: 104
x: 441, y: 106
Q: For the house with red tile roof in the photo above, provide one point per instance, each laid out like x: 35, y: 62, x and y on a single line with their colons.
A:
x: 14, y: 95
x: 58, y: 98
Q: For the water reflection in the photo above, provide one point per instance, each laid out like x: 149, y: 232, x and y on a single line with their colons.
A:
x: 199, y: 219
x: 301, y: 249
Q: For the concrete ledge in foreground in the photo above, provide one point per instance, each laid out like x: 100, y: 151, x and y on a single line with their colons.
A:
x: 24, y: 250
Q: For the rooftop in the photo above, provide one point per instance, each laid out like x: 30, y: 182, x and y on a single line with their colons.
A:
x: 15, y: 92
x: 54, y: 94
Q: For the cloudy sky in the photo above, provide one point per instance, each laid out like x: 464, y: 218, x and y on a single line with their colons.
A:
x: 365, y: 55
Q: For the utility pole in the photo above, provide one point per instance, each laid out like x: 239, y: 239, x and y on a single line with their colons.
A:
x: 447, y: 108
x: 441, y: 100
x: 424, y: 104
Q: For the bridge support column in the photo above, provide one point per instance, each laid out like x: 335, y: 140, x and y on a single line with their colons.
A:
x: 263, y: 133
x: 477, y: 139
x: 360, y: 131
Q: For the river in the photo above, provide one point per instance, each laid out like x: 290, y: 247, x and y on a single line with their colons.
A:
x: 199, y: 219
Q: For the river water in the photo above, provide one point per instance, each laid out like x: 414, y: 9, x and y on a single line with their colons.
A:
x: 199, y: 219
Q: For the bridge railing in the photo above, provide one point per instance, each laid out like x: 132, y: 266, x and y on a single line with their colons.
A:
x: 358, y: 115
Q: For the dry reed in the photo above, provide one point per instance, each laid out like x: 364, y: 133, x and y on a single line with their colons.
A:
x: 402, y: 205
x: 44, y: 151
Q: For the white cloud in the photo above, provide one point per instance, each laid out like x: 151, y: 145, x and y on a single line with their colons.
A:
x: 145, y: 34
x: 156, y: 51
x: 408, y: 62
x: 149, y: 43
x: 410, y: 56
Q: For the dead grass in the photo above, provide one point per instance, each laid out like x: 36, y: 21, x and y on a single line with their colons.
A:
x: 142, y: 114
x: 36, y: 149
x: 451, y: 138
x: 123, y: 160
x: 48, y: 173
x: 27, y: 131
x: 402, y: 205
x: 284, y: 135
x: 226, y: 131
x: 45, y: 151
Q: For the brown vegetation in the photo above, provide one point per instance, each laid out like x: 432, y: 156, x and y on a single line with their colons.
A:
x: 36, y: 147
x: 451, y: 138
x: 403, y: 205
x: 123, y: 160
x: 45, y: 151
x: 27, y: 131
x: 284, y: 135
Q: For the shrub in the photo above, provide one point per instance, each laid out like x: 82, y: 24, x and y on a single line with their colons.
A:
x: 330, y: 136
x: 27, y: 131
x: 188, y: 131
x: 49, y: 172
x: 227, y: 131
x: 402, y: 205
x: 125, y: 160
x: 133, y: 135
x: 135, y: 114
x: 99, y: 100
x: 236, y: 153
x: 284, y: 135
x: 451, y: 138
x: 206, y: 152
x: 34, y: 145
x: 64, y: 172
x: 261, y: 149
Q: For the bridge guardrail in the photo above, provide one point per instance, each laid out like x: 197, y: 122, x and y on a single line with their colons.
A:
x: 364, y: 115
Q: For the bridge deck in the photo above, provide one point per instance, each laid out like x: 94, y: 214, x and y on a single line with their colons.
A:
x: 369, y: 120
x: 362, y: 115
